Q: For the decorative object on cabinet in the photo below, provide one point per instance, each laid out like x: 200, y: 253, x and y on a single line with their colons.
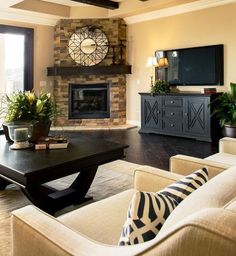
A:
x: 88, y: 46
x: 151, y: 63
x: 180, y: 114
x: 160, y: 86
x: 224, y: 108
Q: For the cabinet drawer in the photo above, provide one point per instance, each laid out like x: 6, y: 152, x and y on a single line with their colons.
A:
x: 172, y: 125
x: 173, y: 113
x: 172, y: 101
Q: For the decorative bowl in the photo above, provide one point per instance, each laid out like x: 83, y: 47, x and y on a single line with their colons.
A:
x: 20, y: 133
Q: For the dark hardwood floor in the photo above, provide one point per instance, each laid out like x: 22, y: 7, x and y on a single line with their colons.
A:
x: 152, y: 149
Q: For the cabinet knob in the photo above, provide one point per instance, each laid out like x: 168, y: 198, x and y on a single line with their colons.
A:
x: 172, y: 102
x: 172, y: 125
x: 185, y: 114
x: 172, y: 113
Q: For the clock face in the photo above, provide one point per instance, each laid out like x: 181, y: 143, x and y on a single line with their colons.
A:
x: 88, y: 46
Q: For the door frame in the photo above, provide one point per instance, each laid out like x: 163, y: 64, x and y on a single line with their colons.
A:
x: 28, y: 51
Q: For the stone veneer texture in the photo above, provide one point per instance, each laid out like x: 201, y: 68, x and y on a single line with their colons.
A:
x: 115, y: 30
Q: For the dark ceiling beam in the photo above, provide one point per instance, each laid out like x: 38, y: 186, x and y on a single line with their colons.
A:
x: 100, y: 3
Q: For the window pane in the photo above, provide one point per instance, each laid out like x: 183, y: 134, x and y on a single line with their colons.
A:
x: 11, y: 63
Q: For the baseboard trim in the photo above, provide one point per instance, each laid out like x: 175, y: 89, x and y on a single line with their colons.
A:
x: 134, y: 122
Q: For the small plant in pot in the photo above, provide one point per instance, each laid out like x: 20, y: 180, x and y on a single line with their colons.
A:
x: 160, y: 86
x: 224, y: 109
x: 27, y: 106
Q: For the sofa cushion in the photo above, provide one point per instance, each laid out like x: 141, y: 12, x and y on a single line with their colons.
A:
x: 107, y: 215
x: 148, y: 211
x: 216, y: 193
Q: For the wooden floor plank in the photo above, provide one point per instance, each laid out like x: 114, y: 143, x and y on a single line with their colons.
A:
x: 152, y: 149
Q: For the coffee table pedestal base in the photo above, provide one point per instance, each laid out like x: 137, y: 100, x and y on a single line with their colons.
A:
x: 51, y: 200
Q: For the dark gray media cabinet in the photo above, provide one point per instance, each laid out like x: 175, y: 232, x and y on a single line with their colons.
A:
x: 180, y: 114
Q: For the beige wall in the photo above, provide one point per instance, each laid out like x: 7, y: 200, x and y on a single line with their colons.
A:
x: 43, y: 52
x: 206, y: 27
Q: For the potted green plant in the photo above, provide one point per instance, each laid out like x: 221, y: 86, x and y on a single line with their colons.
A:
x: 224, y: 109
x: 28, y: 106
x: 160, y: 86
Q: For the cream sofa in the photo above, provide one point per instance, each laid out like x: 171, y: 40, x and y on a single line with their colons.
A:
x: 217, y: 162
x: 203, y: 224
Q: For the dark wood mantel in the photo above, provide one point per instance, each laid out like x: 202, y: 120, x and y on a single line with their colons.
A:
x: 91, y: 70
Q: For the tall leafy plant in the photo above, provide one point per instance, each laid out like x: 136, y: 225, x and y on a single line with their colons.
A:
x: 224, y: 108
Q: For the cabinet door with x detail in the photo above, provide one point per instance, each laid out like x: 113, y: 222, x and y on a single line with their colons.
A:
x: 151, y: 112
x: 196, y: 116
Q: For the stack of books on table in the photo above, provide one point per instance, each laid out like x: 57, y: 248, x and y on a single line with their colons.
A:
x: 52, y: 142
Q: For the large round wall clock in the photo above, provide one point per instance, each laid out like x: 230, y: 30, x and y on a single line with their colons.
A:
x: 88, y: 46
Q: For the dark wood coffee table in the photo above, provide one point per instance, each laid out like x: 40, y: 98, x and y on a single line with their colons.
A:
x: 30, y: 169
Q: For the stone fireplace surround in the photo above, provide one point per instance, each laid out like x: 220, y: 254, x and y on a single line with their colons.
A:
x: 115, y: 30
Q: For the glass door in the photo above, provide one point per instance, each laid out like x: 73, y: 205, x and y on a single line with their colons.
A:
x: 16, y: 62
x: 11, y: 63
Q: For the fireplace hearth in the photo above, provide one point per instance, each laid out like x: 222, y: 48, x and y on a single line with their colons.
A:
x: 89, y: 101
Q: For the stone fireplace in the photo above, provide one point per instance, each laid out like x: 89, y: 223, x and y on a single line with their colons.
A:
x: 94, y: 95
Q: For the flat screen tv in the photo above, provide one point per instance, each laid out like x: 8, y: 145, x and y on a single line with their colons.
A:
x: 196, y: 66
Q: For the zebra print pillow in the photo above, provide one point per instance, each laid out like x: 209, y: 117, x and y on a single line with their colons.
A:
x: 148, y: 211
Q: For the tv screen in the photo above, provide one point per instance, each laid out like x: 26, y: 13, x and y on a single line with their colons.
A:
x: 192, y: 66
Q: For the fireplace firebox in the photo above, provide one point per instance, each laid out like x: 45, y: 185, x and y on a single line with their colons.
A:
x: 89, y: 101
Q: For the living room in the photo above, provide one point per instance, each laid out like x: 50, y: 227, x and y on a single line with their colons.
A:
x: 149, y: 26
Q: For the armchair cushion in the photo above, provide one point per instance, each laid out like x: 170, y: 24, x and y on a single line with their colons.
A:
x: 148, y: 211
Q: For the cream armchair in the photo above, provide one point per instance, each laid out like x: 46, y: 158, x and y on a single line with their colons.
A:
x: 216, y: 163
x: 227, y: 152
x: 198, y: 226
